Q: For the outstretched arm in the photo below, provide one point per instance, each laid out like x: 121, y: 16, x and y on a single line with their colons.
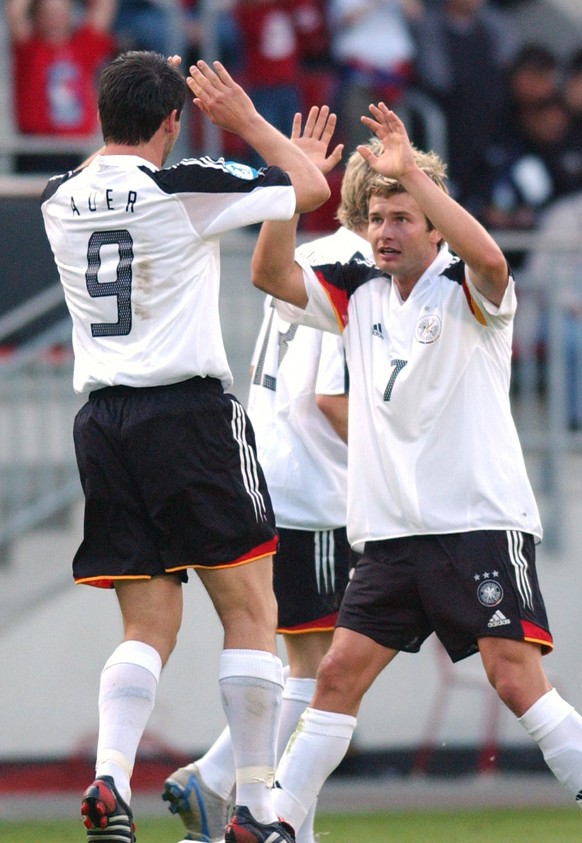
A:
x: 227, y: 105
x: 273, y: 267
x: 484, y: 259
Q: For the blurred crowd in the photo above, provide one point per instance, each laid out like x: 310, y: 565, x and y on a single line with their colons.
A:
x: 512, y: 111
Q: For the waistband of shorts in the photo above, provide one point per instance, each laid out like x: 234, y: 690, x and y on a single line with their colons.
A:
x: 196, y: 384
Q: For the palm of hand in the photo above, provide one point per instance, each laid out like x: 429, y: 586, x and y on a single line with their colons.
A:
x: 316, y: 136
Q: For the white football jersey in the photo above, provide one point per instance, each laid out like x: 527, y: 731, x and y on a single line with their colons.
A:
x: 304, y: 460
x: 433, y: 447
x: 138, y: 253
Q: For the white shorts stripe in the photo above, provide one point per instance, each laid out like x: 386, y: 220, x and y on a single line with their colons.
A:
x: 248, y: 462
x: 324, y: 553
x: 519, y: 562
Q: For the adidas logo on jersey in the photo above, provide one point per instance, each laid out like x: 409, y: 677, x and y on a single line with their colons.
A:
x: 377, y: 330
x: 498, y: 619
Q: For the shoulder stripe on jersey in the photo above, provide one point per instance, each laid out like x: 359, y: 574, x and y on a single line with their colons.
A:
x: 519, y: 562
x: 473, y: 306
x: 207, y: 175
x: 455, y: 271
x: 248, y: 462
x: 338, y: 300
x: 56, y: 181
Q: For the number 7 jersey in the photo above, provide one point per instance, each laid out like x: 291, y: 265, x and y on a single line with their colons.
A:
x: 137, y: 249
x: 432, y: 446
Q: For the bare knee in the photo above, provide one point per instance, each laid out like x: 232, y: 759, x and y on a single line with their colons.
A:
x: 515, y: 670
x: 508, y: 687
x: 253, y: 607
x: 163, y: 640
x: 336, y: 688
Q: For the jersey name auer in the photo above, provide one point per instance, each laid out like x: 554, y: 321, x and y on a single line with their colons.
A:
x: 109, y: 200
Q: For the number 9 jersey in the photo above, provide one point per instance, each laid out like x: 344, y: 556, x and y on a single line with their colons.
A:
x: 137, y: 249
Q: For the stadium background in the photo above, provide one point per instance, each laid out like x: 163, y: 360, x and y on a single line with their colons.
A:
x: 423, y: 713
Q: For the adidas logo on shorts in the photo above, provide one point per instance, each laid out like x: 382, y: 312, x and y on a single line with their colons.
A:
x: 498, y: 619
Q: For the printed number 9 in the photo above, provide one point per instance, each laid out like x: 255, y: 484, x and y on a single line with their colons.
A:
x: 121, y: 287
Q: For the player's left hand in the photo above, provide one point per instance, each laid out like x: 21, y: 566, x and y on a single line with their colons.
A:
x: 316, y: 136
x: 397, y: 159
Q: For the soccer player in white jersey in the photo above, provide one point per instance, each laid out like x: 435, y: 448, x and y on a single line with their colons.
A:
x: 298, y: 406
x: 166, y: 457
x: 438, y: 497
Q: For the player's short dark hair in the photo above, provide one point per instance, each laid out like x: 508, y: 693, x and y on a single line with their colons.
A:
x: 137, y: 91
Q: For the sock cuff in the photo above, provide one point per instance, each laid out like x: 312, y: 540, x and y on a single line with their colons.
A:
x: 300, y: 690
x: 329, y: 723
x: 136, y: 652
x: 545, y: 714
x: 259, y: 664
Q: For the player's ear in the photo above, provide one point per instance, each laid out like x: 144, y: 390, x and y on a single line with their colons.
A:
x: 168, y: 124
x: 435, y: 236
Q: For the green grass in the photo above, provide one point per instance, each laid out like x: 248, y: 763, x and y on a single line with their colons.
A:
x: 509, y: 825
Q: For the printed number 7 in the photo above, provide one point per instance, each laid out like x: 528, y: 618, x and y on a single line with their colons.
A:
x: 121, y: 287
x: 397, y: 366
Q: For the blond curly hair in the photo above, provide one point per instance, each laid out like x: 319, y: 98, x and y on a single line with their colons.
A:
x: 353, y: 208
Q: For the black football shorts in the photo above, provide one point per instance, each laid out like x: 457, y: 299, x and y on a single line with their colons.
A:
x: 462, y: 586
x: 171, y: 481
x: 310, y: 574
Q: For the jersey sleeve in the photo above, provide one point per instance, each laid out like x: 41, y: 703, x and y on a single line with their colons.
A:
x: 484, y: 311
x: 219, y: 196
x: 328, y: 287
x: 503, y: 313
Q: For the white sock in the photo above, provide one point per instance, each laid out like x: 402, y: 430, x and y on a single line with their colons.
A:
x: 127, y: 694
x: 316, y: 748
x: 557, y: 728
x: 297, y: 694
x: 217, y: 765
x: 251, y: 682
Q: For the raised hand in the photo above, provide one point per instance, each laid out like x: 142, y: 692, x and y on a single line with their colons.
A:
x: 397, y: 158
x: 219, y: 97
x: 316, y: 136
